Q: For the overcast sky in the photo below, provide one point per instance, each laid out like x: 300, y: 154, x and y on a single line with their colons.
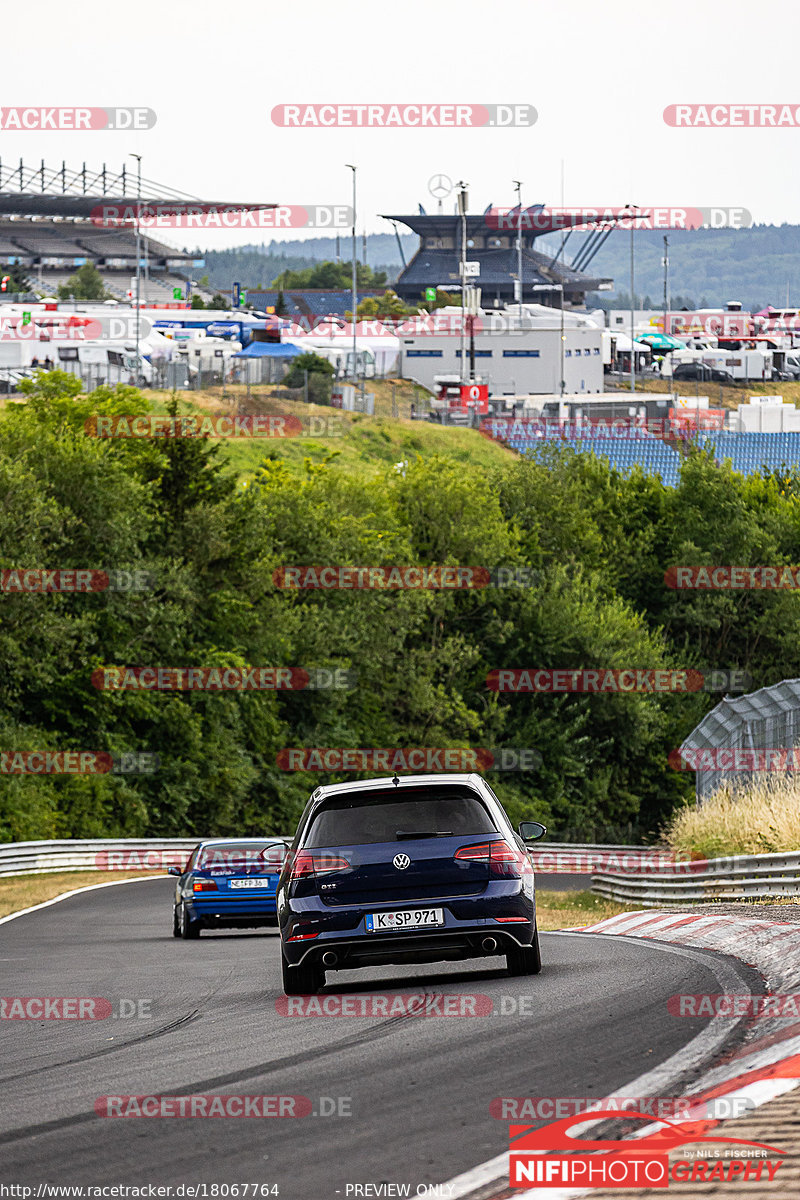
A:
x: 599, y: 76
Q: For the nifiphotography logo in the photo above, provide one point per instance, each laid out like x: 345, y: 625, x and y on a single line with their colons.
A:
x: 641, y: 1162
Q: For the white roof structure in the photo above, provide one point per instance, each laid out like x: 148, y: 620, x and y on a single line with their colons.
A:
x: 766, y: 719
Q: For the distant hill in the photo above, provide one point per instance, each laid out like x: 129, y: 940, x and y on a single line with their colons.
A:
x: 710, y: 266
x: 257, y: 266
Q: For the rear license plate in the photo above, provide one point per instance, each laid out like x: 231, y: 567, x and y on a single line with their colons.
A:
x: 250, y: 883
x: 409, y: 918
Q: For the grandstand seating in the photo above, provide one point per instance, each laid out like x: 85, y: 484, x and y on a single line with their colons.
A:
x: 310, y: 302
x: 623, y: 454
x: 750, y: 452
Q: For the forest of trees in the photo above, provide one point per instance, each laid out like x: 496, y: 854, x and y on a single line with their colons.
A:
x: 599, y: 545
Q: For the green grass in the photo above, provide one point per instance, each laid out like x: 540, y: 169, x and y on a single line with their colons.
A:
x: 352, y: 442
x: 563, y: 910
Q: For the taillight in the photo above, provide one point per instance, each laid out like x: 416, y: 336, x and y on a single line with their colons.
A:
x: 204, y: 885
x: 474, y: 853
x: 500, y: 857
x: 306, y: 864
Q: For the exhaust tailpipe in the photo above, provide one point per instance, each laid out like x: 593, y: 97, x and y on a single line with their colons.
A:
x: 329, y: 959
x: 489, y: 944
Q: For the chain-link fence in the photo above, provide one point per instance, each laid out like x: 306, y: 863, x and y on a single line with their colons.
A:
x: 766, y: 720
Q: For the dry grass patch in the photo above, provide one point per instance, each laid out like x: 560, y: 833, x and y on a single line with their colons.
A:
x: 761, y: 818
x: 23, y: 891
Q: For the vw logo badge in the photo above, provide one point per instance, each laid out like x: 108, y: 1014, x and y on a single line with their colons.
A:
x: 401, y: 861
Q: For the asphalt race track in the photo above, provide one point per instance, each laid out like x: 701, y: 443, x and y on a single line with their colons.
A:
x: 419, y: 1088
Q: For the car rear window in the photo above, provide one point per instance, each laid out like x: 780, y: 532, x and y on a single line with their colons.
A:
x: 237, y: 856
x: 360, y: 819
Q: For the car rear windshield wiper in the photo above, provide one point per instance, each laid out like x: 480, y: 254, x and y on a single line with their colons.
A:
x: 406, y: 833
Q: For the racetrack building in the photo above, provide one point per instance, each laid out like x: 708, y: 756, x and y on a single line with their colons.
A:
x: 51, y: 224
x: 492, y: 244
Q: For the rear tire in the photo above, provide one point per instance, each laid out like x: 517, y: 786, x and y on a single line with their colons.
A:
x: 176, y: 921
x: 304, y: 980
x: 525, y: 960
x: 189, y: 929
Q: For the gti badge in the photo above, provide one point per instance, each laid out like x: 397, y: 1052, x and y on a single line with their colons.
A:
x: 401, y: 861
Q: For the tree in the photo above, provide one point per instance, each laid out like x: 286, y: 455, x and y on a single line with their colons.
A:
x: 443, y: 300
x: 387, y: 305
x: 335, y: 276
x: 218, y: 301
x: 280, y: 304
x: 17, y: 281
x: 85, y: 284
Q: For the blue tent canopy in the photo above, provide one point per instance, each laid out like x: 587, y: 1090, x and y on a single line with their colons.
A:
x: 269, y: 350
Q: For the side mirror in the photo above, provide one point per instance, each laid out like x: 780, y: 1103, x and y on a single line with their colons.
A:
x: 531, y: 831
x: 174, y: 871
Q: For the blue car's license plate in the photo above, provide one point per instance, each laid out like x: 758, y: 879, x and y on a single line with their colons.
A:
x: 409, y: 918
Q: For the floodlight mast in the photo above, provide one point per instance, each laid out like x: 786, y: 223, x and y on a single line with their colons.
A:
x: 354, y: 287
x: 462, y: 208
x: 138, y: 158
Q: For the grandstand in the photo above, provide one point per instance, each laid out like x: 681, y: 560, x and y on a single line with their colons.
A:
x: 649, y: 453
x: 750, y: 453
x: 310, y: 302
x: 436, y: 262
x: 47, y: 230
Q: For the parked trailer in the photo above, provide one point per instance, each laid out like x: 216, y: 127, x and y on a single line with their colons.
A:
x: 742, y: 364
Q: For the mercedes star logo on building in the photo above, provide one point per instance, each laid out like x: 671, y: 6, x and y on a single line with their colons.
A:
x: 440, y: 186
x: 401, y: 861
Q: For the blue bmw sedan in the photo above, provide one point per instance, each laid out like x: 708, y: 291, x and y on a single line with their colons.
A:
x: 227, y: 884
x: 415, y: 870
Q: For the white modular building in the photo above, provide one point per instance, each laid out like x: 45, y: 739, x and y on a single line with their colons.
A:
x: 518, y: 350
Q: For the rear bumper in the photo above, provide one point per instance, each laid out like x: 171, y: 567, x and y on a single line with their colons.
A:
x: 486, y: 940
x: 224, y: 913
x: 505, y: 912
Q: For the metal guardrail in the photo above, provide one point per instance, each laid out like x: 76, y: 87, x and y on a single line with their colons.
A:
x: 739, y: 877
x: 102, y: 854
x: 93, y: 854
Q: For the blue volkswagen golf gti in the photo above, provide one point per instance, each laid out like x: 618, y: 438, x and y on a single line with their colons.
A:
x: 415, y: 870
x: 228, y: 884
